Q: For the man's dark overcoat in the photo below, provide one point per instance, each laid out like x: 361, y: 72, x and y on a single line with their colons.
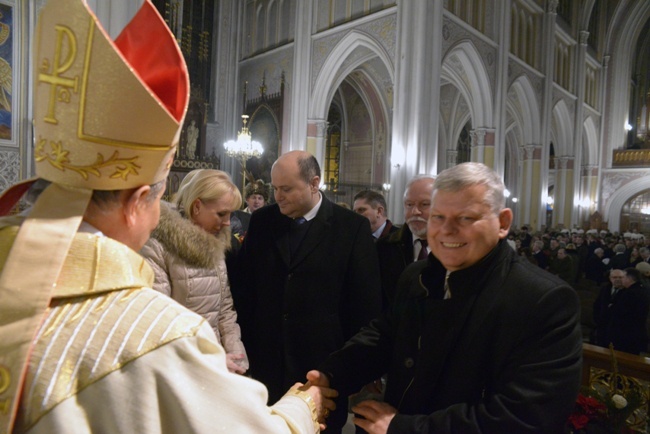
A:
x: 395, y: 253
x: 294, y: 313
x: 502, y: 355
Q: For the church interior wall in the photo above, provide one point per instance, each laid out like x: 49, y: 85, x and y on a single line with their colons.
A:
x: 359, y: 38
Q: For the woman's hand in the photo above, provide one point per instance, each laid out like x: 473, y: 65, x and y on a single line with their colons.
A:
x: 232, y: 363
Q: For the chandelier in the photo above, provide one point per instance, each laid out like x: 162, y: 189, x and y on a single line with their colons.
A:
x: 244, y: 147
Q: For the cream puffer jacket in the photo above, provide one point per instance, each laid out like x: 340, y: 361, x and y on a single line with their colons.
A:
x: 189, y: 265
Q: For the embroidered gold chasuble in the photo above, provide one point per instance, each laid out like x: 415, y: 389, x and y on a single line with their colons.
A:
x: 102, y: 325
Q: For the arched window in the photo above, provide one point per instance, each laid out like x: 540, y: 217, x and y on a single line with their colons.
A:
x: 635, y: 214
x: 333, y: 148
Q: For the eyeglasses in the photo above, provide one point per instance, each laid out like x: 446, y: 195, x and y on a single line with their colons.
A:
x: 422, y: 206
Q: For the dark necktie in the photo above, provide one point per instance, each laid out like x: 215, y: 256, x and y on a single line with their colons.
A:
x: 296, y: 234
x: 423, y: 251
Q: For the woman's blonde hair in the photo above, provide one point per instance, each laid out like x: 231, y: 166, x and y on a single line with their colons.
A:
x: 206, y: 185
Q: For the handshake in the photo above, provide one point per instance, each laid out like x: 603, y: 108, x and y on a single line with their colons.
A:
x: 371, y: 415
x: 318, y: 395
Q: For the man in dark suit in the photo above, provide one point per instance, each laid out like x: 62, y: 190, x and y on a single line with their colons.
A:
x: 372, y: 205
x: 404, y: 246
x: 619, y: 261
x: 306, y: 279
x: 595, y: 269
x: 644, y: 252
x: 621, y: 311
x: 478, y: 340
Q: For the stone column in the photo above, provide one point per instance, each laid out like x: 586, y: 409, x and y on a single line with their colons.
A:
x: 300, y: 88
x: 316, y: 136
x: 482, y: 146
x: 602, y: 158
x: 530, y: 200
x: 503, y: 23
x: 418, y: 66
x: 548, y: 60
x: 580, y: 70
x: 564, y: 191
x: 452, y: 157
x: 588, y: 190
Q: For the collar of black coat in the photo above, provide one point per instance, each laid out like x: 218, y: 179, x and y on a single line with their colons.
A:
x: 403, y: 234
x: 463, y: 283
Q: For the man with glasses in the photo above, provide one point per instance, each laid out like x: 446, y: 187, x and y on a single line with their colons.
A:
x: 409, y: 243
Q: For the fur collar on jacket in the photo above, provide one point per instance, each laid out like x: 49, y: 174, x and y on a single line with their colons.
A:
x: 188, y: 241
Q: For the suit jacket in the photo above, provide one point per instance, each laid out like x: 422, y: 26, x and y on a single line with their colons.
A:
x: 388, y: 229
x: 621, y: 319
x: 395, y: 253
x: 504, y: 354
x: 294, y: 313
x: 618, y: 262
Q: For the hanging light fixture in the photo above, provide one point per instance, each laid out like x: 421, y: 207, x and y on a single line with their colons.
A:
x: 243, y: 148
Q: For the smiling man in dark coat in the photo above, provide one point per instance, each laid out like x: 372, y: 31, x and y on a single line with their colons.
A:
x: 307, y: 279
x: 478, y: 339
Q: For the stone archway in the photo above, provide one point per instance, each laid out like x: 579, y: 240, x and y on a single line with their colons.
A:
x: 466, y: 96
x: 357, y: 73
x: 520, y: 162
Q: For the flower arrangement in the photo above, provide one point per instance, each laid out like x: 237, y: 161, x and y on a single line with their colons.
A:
x: 606, y: 408
x: 604, y: 412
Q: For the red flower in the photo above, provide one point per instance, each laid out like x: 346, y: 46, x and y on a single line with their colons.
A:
x: 578, y: 421
x: 590, y: 405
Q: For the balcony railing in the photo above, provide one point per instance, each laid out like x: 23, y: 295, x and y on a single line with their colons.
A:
x: 631, y: 158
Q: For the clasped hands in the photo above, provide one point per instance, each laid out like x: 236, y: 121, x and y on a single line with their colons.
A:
x: 375, y: 415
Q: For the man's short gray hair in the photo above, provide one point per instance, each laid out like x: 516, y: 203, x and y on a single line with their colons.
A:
x: 466, y: 175
x: 418, y: 178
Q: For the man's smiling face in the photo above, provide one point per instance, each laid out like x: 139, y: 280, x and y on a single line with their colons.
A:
x: 463, y: 228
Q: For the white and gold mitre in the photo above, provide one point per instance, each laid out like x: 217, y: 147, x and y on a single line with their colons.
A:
x: 107, y: 115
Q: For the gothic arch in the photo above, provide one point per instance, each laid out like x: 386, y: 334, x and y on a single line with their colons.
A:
x: 562, y: 130
x: 590, y: 143
x: 522, y: 105
x: 463, y: 67
x: 620, y: 197
x: 623, y: 32
x: 336, y: 69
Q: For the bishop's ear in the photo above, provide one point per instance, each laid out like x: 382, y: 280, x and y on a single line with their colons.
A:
x: 134, y: 203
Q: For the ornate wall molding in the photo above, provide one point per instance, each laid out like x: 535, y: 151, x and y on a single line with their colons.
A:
x: 9, y: 168
x: 614, y: 181
x: 516, y: 70
x: 453, y: 33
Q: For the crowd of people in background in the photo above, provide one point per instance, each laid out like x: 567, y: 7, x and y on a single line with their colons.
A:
x: 614, y: 266
x: 577, y: 255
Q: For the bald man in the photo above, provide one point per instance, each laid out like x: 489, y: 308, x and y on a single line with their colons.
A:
x: 306, y: 279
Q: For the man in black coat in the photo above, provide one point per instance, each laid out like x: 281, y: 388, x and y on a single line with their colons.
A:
x: 621, y: 313
x: 603, y: 308
x: 478, y: 339
x: 595, y: 269
x: 398, y: 250
x: 306, y: 279
x: 372, y: 205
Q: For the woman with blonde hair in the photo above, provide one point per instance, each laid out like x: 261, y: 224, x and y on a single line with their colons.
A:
x: 187, y: 252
